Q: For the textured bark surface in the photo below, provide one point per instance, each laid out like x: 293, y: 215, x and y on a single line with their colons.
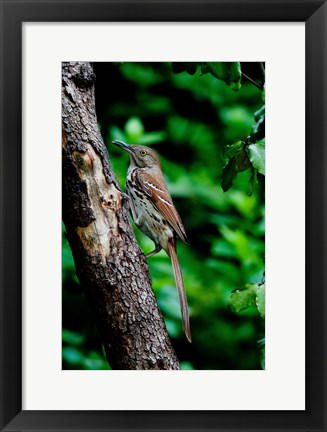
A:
x: 109, y: 264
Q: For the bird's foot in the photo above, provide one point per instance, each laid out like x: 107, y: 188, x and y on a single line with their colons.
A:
x: 154, y: 252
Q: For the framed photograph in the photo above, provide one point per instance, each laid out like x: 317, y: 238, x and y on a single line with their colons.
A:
x: 159, y: 270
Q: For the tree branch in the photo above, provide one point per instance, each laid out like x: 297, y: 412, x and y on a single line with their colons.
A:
x: 252, y: 81
x: 263, y: 72
x: 109, y: 264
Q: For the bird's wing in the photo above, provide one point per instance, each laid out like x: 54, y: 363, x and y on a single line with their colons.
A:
x: 156, y: 190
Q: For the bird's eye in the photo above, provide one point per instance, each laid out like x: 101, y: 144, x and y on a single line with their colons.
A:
x: 143, y: 153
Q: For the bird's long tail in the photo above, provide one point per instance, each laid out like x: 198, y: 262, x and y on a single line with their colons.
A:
x: 180, y: 287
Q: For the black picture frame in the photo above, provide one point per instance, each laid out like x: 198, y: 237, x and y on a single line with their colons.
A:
x: 13, y: 14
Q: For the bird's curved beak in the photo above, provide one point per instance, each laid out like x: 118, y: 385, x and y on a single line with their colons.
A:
x: 124, y: 146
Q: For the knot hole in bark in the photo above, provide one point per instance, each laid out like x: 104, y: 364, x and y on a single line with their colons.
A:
x: 85, y: 78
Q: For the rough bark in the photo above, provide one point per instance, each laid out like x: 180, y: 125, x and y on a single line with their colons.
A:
x: 109, y: 264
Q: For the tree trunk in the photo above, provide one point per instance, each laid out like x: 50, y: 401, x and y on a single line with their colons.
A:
x: 109, y: 264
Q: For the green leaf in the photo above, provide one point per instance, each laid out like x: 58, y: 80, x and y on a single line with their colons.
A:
x: 235, y: 76
x: 218, y: 70
x: 259, y: 129
x: 260, y: 113
x: 261, y: 342
x: 228, y: 174
x: 94, y: 361
x: 241, y: 299
x: 238, y: 161
x: 152, y: 138
x: 264, y: 93
x: 257, y: 156
x: 263, y: 358
x: 242, y: 160
x: 253, y: 180
x: 230, y: 72
x: 116, y: 133
x: 231, y: 150
x: 185, y: 365
x: 71, y: 337
x: 260, y: 299
x: 262, y: 345
x: 178, y: 67
x: 72, y: 355
x: 173, y: 327
x: 134, y: 129
x: 204, y: 68
x: 191, y: 68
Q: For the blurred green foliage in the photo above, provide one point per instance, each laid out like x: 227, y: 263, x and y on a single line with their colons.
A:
x: 189, y: 119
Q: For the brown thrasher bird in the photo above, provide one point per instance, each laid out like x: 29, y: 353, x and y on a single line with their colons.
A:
x: 154, y: 213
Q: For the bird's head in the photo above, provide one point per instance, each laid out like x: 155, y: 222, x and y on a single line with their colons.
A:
x: 141, y: 156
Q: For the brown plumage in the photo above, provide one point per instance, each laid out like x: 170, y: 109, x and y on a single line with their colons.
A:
x: 154, y: 213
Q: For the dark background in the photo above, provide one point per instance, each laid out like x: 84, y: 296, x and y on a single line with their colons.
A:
x: 188, y: 120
